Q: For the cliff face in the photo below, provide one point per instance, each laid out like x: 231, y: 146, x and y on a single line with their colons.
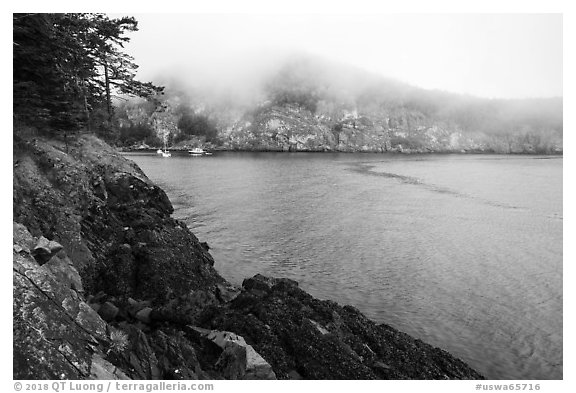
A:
x: 291, y: 127
x: 311, y: 104
x: 108, y: 286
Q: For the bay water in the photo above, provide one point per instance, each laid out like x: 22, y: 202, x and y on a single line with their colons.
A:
x: 461, y: 251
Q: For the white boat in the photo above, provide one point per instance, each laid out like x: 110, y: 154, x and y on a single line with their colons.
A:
x: 165, y: 153
x: 198, y: 151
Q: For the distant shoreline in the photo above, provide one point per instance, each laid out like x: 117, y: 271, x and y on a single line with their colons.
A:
x: 440, y: 152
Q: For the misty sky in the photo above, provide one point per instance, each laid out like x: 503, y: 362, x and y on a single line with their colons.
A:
x: 488, y: 55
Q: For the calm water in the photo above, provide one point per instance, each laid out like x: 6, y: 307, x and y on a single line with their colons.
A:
x: 463, y: 252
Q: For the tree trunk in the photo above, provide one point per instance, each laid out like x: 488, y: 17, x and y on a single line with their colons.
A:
x: 108, y: 100
x: 87, y: 112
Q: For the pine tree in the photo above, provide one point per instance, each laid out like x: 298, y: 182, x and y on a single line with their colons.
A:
x: 67, y: 67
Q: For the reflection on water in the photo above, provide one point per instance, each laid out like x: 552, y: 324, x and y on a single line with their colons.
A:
x: 463, y: 252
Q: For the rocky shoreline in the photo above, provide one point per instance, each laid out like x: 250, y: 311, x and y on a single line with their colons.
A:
x: 148, y: 149
x: 107, y: 285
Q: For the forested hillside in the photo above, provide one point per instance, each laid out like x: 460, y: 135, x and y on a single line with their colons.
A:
x: 71, y: 73
x: 310, y: 104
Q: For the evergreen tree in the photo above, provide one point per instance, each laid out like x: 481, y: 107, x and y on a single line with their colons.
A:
x: 68, y: 66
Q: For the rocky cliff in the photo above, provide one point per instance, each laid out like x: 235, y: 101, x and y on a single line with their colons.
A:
x: 108, y: 286
x: 292, y: 127
x: 311, y: 104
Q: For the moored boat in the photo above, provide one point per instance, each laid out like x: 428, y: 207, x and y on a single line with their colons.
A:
x: 198, y: 151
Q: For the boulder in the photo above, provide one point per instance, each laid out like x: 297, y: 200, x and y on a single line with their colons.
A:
x: 238, y: 359
x: 45, y: 249
x: 227, y: 292
x: 264, y: 284
x: 134, y: 306
x: 144, y: 315
x: 108, y: 311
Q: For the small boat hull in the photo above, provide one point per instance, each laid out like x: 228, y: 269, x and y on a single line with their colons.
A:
x: 197, y: 152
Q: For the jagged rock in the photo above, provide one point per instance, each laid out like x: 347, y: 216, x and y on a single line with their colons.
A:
x: 205, y: 246
x: 139, y: 358
x: 238, y: 359
x: 292, y: 330
x: 22, y: 238
x: 260, y: 283
x: 54, y: 331
x: 227, y: 292
x: 85, y: 196
x: 102, y: 369
x: 63, y: 268
x: 108, y: 311
x: 89, y: 319
x: 45, y: 249
x: 177, y: 358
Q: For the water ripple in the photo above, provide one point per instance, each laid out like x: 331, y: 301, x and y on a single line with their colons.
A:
x: 368, y: 169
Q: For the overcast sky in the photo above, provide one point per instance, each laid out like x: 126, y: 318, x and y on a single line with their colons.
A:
x: 488, y: 55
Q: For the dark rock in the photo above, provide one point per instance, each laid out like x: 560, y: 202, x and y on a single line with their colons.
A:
x: 140, y: 359
x: 322, y: 340
x: 259, y: 282
x: 263, y: 283
x: 238, y: 359
x: 227, y: 292
x: 177, y: 358
x: 294, y: 375
x: 86, y: 200
x: 99, y: 297
x: 108, y: 311
x: 144, y: 315
x: 135, y: 306
x: 184, y: 309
